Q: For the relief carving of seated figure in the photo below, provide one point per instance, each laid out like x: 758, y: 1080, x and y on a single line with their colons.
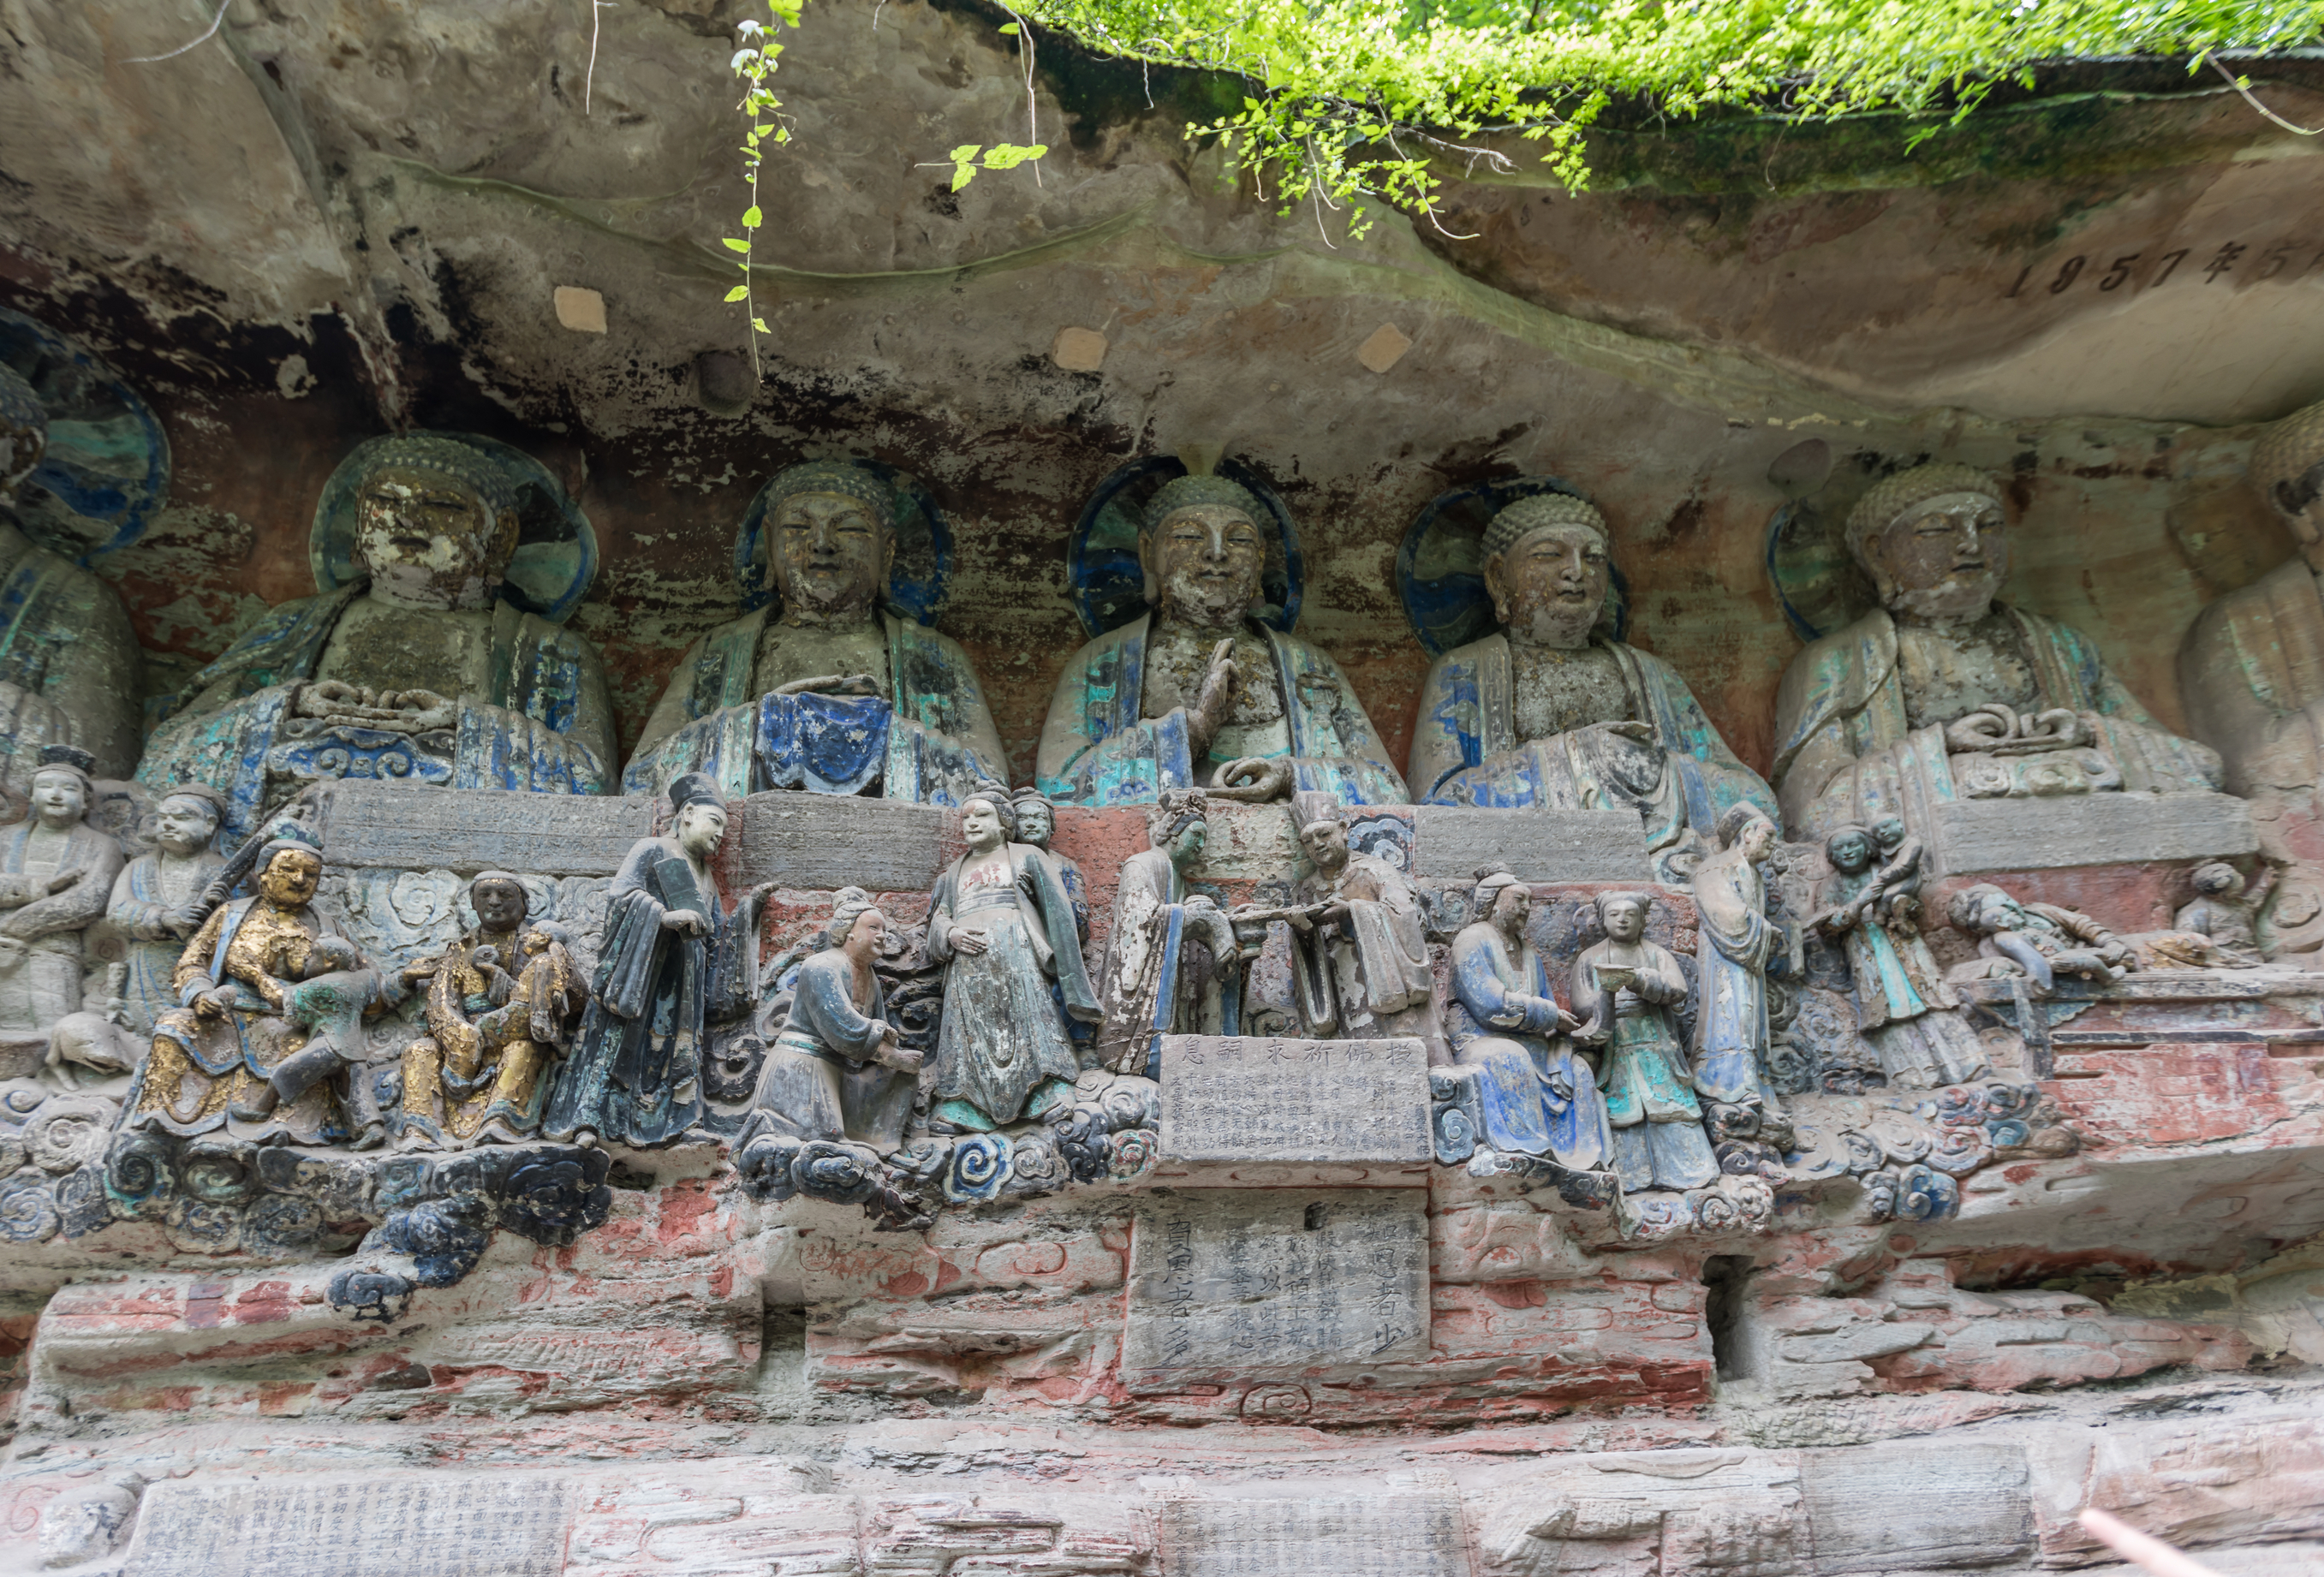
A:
x: 1943, y: 687
x: 1550, y: 712
x: 2252, y: 671
x: 417, y: 668
x: 69, y: 661
x: 823, y: 688
x: 1196, y: 693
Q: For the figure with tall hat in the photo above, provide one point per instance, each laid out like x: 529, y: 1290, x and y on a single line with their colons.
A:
x: 1551, y: 711
x: 56, y: 875
x: 676, y: 963
x: 1197, y: 692
x: 828, y: 682
x: 434, y: 652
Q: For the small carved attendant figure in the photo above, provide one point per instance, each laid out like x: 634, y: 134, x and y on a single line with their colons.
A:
x: 1037, y: 826
x: 825, y: 690
x: 1942, y: 670
x: 2038, y: 940
x: 56, y: 872
x: 415, y: 667
x: 1552, y: 712
x: 1002, y: 918
x: 68, y: 660
x: 1731, y: 1026
x: 1903, y: 1004
x: 674, y: 961
x: 836, y: 1070
x: 500, y: 1007
x: 1364, y: 957
x: 1632, y: 986
x: 2222, y: 910
x: 158, y: 900
x: 1196, y: 693
x: 1155, y: 980
x: 271, y: 1022
x: 1538, y: 1093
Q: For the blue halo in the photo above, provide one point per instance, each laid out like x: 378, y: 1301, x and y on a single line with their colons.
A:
x: 1817, y: 581
x: 1109, y: 588
x: 916, y: 582
x: 106, y: 472
x: 556, y: 555
x: 1440, y: 564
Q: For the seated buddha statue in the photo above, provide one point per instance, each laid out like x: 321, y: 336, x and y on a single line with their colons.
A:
x: 2251, y: 671
x: 1552, y: 712
x: 1942, y: 692
x: 1196, y: 693
x: 419, y: 669
x: 822, y: 689
x: 69, y: 661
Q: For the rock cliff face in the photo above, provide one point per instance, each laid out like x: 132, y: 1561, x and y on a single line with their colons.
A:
x: 1914, y: 1331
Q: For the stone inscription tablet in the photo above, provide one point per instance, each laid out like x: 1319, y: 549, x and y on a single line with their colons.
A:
x: 1252, y: 1099
x: 1275, y: 1281
x: 1378, y: 1535
x: 437, y: 1525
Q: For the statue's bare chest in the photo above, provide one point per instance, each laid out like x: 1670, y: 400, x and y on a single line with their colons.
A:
x: 1553, y: 691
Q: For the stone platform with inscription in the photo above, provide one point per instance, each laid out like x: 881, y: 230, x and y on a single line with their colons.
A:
x: 1248, y: 1111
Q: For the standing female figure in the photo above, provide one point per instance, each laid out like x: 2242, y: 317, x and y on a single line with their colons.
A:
x: 1001, y: 919
x: 1731, y: 1032
x: 1898, y: 1010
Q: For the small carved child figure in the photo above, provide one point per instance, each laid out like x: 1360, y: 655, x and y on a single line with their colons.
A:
x: 2041, y: 940
x: 1901, y: 1002
x: 1901, y: 855
x: 2223, y: 911
x: 479, y: 1074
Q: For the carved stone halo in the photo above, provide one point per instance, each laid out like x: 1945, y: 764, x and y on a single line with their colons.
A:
x: 106, y: 472
x: 916, y: 584
x: 1109, y: 585
x: 556, y: 555
x: 1439, y: 564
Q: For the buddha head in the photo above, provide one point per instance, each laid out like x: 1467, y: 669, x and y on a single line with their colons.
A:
x: 187, y: 819
x: 831, y: 541
x: 1547, y: 568
x: 23, y: 431
x: 499, y: 899
x: 436, y: 522
x: 1934, y: 539
x: 2287, y: 465
x: 1202, y: 552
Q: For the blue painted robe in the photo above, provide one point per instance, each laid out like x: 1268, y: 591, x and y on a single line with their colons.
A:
x: 1465, y: 750
x: 1097, y: 749
x: 930, y: 739
x: 1845, y: 690
x: 1656, y: 1122
x: 544, y: 725
x: 1730, y: 1025
x: 1538, y: 1095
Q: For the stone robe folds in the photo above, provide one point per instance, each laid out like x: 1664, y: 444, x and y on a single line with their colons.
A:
x: 2251, y: 671
x: 1538, y: 1095
x: 1369, y: 979
x: 930, y: 739
x: 1845, y: 691
x: 1096, y: 749
x: 482, y: 1070
x: 1903, y: 1001
x: 68, y: 667
x: 634, y: 1075
x: 1654, y: 1119
x: 1153, y: 981
x: 1730, y: 1025
x: 542, y: 724
x: 820, y: 1081
x: 41, y: 951
x: 1465, y: 750
x: 1001, y: 1035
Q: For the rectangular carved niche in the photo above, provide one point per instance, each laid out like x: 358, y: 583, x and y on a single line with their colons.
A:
x: 437, y: 1525
x: 1228, y: 1285
x: 1249, y: 1098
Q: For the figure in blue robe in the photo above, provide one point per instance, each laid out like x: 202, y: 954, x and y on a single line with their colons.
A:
x: 1538, y: 1092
